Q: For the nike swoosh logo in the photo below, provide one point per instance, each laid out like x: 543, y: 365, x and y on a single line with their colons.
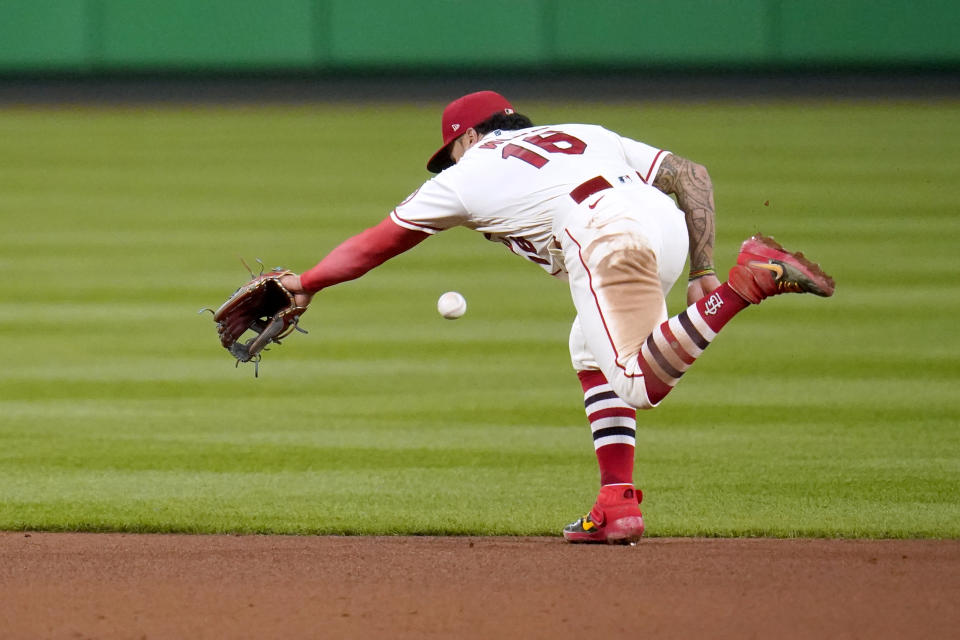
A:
x: 591, y: 206
x: 771, y: 266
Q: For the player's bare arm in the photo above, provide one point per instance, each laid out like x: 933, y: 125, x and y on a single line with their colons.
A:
x: 691, y: 185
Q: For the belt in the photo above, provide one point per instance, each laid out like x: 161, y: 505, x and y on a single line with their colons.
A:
x: 590, y: 187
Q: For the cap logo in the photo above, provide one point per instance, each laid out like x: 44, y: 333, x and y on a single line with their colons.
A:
x: 455, y: 127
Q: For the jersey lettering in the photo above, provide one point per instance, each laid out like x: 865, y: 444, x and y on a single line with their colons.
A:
x: 558, y: 142
x: 530, y: 157
x: 550, y: 142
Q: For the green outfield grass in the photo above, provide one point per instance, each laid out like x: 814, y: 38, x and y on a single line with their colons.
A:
x: 119, y: 411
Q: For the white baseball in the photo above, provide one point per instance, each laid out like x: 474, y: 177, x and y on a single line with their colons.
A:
x: 452, y: 305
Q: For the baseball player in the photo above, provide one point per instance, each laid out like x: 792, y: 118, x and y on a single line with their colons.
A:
x: 594, y: 208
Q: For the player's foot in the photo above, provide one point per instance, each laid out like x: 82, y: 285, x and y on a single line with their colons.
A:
x: 764, y: 269
x: 614, y: 519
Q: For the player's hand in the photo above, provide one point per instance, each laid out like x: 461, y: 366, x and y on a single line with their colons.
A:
x: 701, y: 287
x: 300, y: 295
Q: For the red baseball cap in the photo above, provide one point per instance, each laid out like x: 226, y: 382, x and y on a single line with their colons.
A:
x: 460, y: 115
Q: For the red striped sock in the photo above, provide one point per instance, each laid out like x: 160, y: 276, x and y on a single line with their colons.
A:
x: 674, y: 346
x: 614, y: 426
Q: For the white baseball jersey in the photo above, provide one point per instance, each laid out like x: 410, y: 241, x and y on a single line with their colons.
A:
x: 515, y: 186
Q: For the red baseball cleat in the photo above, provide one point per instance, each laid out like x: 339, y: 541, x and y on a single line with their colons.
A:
x: 764, y: 269
x: 614, y: 519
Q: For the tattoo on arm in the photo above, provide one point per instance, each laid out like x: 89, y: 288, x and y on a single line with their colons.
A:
x: 692, y: 186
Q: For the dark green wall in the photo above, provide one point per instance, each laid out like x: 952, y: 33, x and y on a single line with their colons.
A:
x: 324, y: 35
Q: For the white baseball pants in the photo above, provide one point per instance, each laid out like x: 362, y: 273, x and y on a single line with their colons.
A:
x: 624, y: 248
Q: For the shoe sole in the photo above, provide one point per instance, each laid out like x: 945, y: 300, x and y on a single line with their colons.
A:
x: 627, y: 530
x: 797, y: 268
x: 624, y: 530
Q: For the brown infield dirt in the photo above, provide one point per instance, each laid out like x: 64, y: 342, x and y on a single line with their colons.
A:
x: 179, y: 586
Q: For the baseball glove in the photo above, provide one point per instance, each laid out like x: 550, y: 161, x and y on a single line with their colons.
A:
x: 262, y: 305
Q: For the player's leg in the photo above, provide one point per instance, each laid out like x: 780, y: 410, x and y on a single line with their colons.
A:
x: 615, y: 515
x: 645, y: 377
x: 619, y: 275
x: 613, y: 422
x: 631, y: 287
x: 615, y: 269
x: 764, y: 269
x: 622, y: 258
